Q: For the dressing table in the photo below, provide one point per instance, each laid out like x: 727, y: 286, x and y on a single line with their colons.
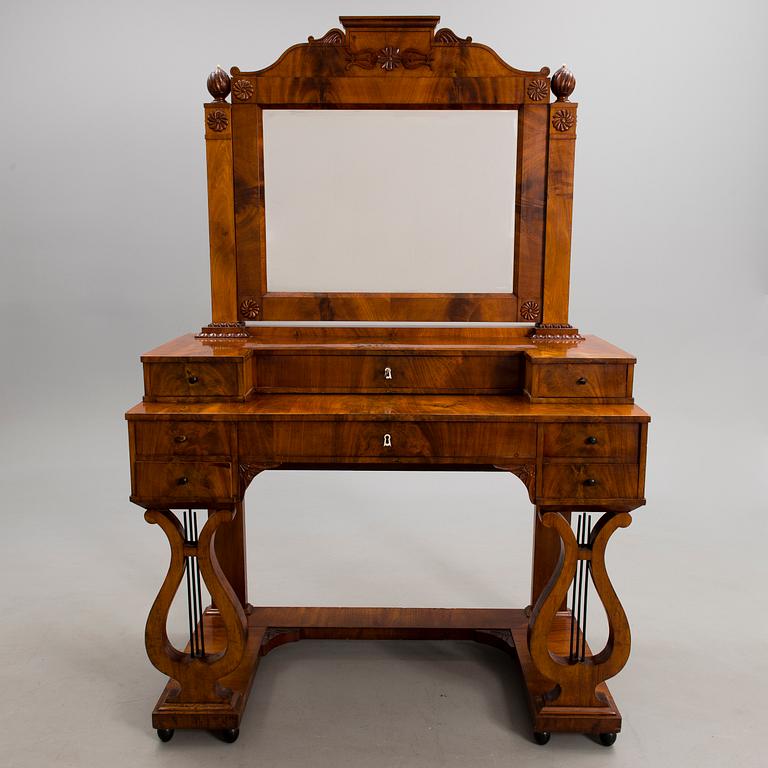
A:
x: 515, y: 388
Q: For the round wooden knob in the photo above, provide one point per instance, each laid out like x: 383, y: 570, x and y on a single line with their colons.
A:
x: 581, y: 380
x: 180, y: 439
x: 590, y: 482
x: 193, y: 379
x: 183, y: 480
x: 591, y: 440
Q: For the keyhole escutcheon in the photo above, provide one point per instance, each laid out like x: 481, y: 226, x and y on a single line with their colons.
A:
x: 387, y: 440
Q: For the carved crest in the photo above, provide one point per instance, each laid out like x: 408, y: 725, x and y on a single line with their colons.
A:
x: 389, y: 58
x: 331, y: 37
x: 447, y: 36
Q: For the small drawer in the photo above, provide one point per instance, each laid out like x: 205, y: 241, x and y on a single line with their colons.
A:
x: 297, y: 441
x: 593, y: 380
x: 592, y: 441
x: 583, y: 482
x: 192, y: 380
x: 359, y: 372
x: 183, y: 438
x: 183, y: 481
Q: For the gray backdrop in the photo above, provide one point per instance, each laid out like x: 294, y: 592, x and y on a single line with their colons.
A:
x: 104, y: 255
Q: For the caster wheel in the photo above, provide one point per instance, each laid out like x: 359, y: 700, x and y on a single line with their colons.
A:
x: 230, y: 735
x: 165, y: 734
x: 541, y: 737
x: 607, y: 739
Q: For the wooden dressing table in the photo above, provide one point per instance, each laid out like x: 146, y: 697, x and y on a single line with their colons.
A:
x: 540, y: 400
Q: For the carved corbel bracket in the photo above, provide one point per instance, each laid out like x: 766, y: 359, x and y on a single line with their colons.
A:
x: 527, y: 473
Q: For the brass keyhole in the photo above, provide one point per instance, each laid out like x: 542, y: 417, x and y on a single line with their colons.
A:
x: 387, y: 440
x: 388, y: 373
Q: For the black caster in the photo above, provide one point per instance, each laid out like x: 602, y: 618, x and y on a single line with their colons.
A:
x: 165, y: 734
x: 229, y: 736
x: 607, y: 739
x: 541, y: 737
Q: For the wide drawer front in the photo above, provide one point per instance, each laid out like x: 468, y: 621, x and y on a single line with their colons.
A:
x: 296, y: 441
x: 580, y: 380
x: 192, y: 380
x: 183, y: 438
x: 592, y: 441
x: 183, y: 480
x: 370, y: 373
x: 589, y: 481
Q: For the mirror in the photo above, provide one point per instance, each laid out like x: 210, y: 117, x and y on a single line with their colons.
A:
x: 395, y: 201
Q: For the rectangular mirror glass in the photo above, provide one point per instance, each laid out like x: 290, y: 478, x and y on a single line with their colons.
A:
x: 395, y: 201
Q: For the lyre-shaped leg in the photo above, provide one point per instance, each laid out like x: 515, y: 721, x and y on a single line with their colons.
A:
x: 577, y: 676
x: 197, y: 673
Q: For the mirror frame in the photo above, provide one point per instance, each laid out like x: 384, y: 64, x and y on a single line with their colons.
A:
x: 390, y: 63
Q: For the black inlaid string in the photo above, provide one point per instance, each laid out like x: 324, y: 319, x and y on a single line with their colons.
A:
x: 194, y: 590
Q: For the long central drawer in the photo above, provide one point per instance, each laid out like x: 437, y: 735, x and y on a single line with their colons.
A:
x: 376, y: 372
x: 304, y: 440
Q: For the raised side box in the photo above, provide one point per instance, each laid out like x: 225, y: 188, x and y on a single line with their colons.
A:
x: 176, y: 381
x: 579, y: 382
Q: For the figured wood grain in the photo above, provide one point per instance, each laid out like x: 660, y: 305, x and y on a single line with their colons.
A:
x: 352, y: 372
x: 620, y: 442
x: 183, y: 482
x: 383, y: 407
x: 184, y: 438
x: 296, y: 441
x: 194, y: 379
x: 570, y: 481
x: 221, y: 224
x: 578, y: 380
x: 557, y: 241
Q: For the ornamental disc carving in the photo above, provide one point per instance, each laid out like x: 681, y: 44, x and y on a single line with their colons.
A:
x: 530, y: 310
x: 537, y: 90
x: 249, y: 308
x: 242, y: 89
x: 563, y: 120
x: 217, y: 120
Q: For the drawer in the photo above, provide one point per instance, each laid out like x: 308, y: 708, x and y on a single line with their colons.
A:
x: 296, y: 441
x: 183, y: 438
x: 598, y: 441
x: 192, y: 380
x: 183, y: 481
x: 360, y: 372
x: 576, y: 380
x: 589, y: 481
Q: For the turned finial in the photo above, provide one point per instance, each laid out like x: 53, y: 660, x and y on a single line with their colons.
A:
x: 563, y: 83
x: 219, y: 84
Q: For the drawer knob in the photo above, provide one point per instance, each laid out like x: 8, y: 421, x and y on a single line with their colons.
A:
x: 590, y: 482
x: 388, y: 373
x: 183, y: 480
x: 387, y: 440
x: 180, y: 439
x: 591, y: 440
x: 581, y: 380
x: 193, y: 379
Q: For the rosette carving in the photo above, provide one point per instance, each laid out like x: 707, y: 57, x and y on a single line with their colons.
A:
x: 242, y: 89
x: 250, y: 308
x: 563, y: 120
x: 530, y: 310
x: 217, y: 120
x: 537, y: 90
